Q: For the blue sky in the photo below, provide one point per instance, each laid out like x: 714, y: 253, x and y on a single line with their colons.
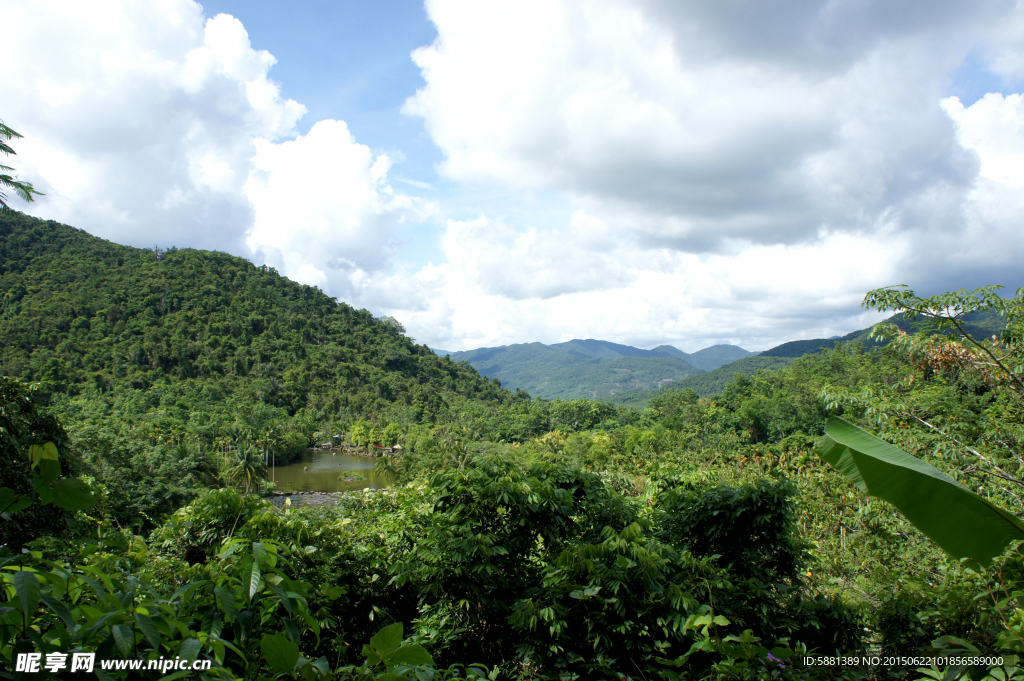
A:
x: 351, y: 61
x: 489, y: 173
x: 348, y: 60
x: 972, y: 80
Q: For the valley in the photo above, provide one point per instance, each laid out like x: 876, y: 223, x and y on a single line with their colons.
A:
x: 578, y: 510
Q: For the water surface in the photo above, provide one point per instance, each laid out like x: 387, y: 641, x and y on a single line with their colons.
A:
x: 328, y: 472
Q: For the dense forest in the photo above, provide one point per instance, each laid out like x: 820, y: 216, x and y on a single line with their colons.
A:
x: 80, y: 313
x: 697, y: 537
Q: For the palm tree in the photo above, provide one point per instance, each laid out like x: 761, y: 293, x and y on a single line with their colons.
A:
x: 386, y: 467
x: 22, y: 189
x: 248, y: 467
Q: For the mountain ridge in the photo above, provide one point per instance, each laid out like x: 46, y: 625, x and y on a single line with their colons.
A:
x: 709, y: 369
x: 709, y: 383
x: 589, y: 367
x: 82, y: 313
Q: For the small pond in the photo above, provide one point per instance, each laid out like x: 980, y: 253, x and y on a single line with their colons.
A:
x: 328, y: 472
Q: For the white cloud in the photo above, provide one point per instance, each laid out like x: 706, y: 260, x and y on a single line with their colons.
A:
x: 757, y: 295
x: 139, y: 118
x: 325, y: 214
x: 991, y: 241
x: 535, y: 263
x: 755, y: 169
x: 754, y: 294
x: 147, y: 123
x: 993, y: 127
x: 710, y: 123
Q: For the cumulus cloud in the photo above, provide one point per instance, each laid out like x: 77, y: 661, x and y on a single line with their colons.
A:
x: 139, y: 119
x: 534, y: 263
x: 710, y: 121
x: 992, y: 128
x: 990, y: 247
x: 152, y: 124
x: 755, y: 169
x: 325, y: 214
x: 756, y: 295
x: 753, y: 294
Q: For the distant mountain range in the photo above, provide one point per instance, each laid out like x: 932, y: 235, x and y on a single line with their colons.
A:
x: 627, y: 375
x: 712, y: 382
x: 591, y: 368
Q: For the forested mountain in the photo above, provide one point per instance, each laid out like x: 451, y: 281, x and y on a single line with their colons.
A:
x: 80, y: 312
x: 979, y: 325
x: 591, y: 368
x: 714, y: 380
x: 707, y: 383
x: 712, y: 357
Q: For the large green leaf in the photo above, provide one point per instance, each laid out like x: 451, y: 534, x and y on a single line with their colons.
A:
x: 124, y: 638
x: 226, y: 601
x: 49, y: 470
x: 259, y: 553
x: 386, y: 641
x: 962, y: 523
x: 189, y: 649
x: 150, y: 629
x: 27, y: 587
x: 251, y: 578
x: 12, y: 502
x: 72, y: 494
x: 412, y: 654
x: 60, y: 609
x: 280, y: 653
x: 37, y: 453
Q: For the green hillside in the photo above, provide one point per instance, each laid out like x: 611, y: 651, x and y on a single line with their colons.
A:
x: 673, y: 351
x: 715, y: 356
x: 544, y: 371
x: 591, y: 368
x: 978, y: 325
x: 81, y: 313
x: 598, y: 349
x: 713, y: 381
x: 707, y: 383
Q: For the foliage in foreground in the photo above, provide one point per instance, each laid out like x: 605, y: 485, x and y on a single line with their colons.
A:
x: 521, y: 565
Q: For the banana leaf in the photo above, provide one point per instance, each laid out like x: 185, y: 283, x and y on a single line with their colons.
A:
x: 963, y: 524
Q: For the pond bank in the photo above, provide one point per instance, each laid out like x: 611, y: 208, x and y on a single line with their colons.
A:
x: 349, y: 450
x: 306, y: 499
